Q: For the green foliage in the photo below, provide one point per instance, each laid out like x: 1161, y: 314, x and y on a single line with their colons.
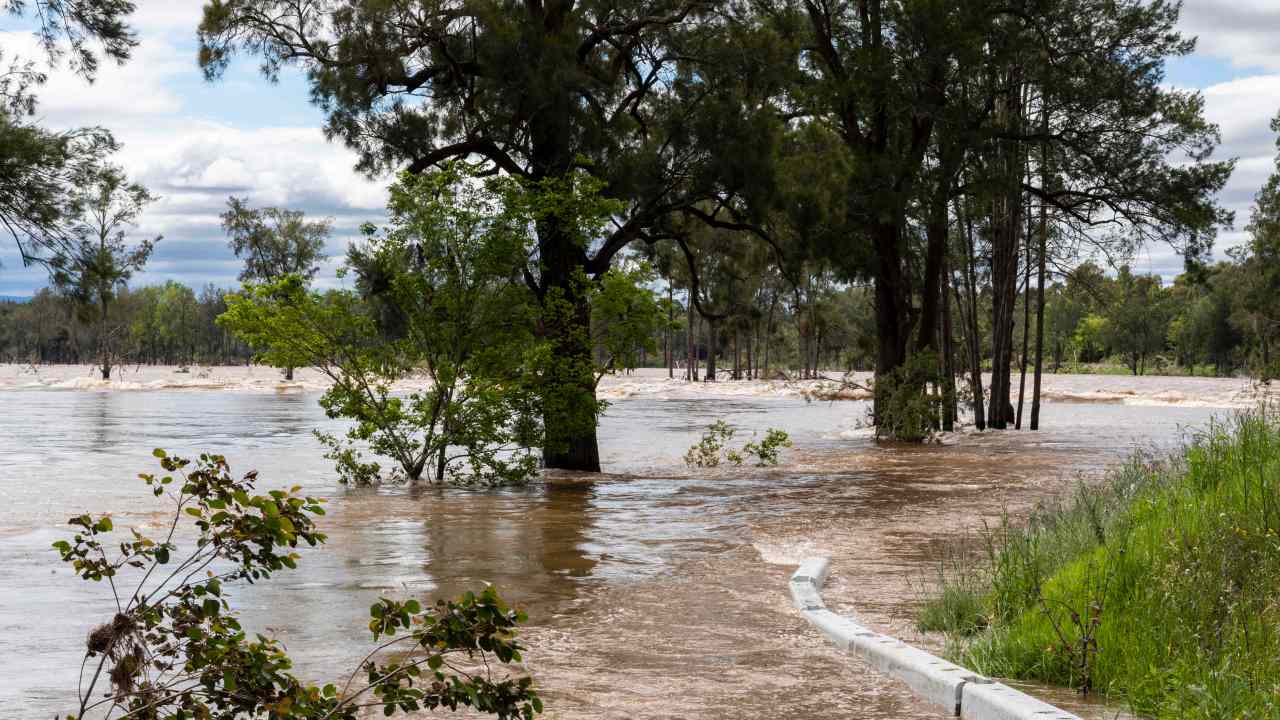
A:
x: 442, y: 299
x: 274, y: 242
x: 39, y: 183
x: 906, y: 407
x: 81, y: 30
x: 175, y: 649
x: 1158, y: 587
x: 626, y: 316
x: 1090, y: 337
x: 712, y: 449
x: 769, y: 450
x: 101, y: 259
x: 1137, y: 320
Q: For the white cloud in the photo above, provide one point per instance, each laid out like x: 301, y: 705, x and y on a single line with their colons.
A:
x: 160, y: 109
x: 1241, y: 32
x: 1243, y: 110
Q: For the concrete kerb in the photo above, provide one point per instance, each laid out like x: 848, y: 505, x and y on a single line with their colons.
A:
x: 960, y: 692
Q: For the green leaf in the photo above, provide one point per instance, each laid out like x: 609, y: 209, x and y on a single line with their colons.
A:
x: 210, y: 607
x: 160, y: 453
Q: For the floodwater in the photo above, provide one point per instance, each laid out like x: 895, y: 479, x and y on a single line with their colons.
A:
x: 652, y: 591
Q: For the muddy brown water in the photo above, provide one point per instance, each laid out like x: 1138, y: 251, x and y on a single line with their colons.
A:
x: 652, y: 591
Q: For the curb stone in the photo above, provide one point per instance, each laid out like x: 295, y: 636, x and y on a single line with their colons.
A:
x: 959, y: 691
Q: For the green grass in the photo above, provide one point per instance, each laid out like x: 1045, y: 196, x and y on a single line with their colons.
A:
x: 1159, y: 586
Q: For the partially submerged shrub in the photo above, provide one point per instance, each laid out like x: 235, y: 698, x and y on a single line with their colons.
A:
x: 769, y: 450
x: 174, y: 649
x: 713, y: 448
x: 906, y: 408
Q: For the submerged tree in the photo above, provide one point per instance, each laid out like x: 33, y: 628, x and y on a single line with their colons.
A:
x: 275, y: 243
x: 102, y: 258
x: 540, y: 91
x: 940, y: 100
x: 441, y: 297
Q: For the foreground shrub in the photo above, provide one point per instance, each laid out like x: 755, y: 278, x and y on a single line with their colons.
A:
x: 1160, y: 586
x: 175, y: 650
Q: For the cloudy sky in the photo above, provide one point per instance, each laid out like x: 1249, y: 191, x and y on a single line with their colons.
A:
x: 194, y: 143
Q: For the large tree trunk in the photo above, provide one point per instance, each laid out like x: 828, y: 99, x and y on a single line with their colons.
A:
x: 948, y: 354
x: 671, y: 321
x: 1026, y: 331
x: 971, y: 331
x: 891, y: 304
x: 713, y: 347
x: 1005, y: 244
x: 1040, y: 275
x: 569, y: 417
x: 768, y: 332
x: 691, y: 345
x: 104, y: 346
x: 737, y: 355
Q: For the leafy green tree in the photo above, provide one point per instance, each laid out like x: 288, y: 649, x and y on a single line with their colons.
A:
x: 1138, y: 320
x: 1091, y: 336
x: 640, y: 94
x: 923, y: 93
x: 1257, y: 311
x: 274, y: 242
x: 444, y: 300
x: 103, y: 258
x: 176, y: 649
x: 1063, y: 314
x: 626, y: 317
x: 1202, y: 330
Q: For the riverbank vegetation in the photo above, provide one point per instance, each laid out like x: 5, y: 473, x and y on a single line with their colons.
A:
x: 1159, y: 586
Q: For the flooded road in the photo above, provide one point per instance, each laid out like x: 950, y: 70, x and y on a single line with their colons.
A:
x: 652, y: 591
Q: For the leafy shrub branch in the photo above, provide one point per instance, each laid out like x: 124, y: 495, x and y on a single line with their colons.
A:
x: 175, y: 650
x: 713, y: 448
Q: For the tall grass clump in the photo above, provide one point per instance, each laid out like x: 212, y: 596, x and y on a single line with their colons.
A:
x: 1159, y: 586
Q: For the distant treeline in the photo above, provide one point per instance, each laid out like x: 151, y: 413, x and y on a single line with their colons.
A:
x: 171, y: 324
x: 167, y: 324
x: 1216, y: 321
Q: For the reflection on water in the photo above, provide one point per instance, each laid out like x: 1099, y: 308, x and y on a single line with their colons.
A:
x: 651, y: 591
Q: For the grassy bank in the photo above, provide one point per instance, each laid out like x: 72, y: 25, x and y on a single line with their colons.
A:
x: 1159, y: 586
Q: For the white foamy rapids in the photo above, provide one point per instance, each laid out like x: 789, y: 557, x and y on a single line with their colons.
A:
x: 789, y: 552
x: 650, y: 383
x: 142, y: 378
